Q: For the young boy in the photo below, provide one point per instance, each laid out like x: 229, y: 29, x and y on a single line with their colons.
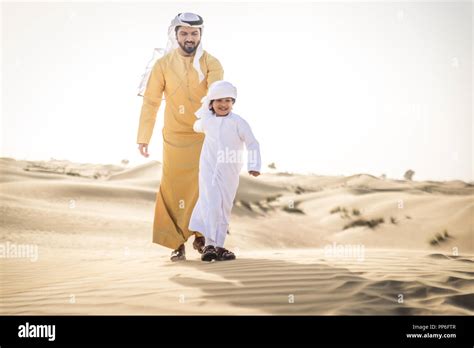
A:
x: 219, y: 167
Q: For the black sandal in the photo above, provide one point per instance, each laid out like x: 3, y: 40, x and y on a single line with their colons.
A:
x: 209, y: 253
x: 224, y: 254
x: 178, y: 254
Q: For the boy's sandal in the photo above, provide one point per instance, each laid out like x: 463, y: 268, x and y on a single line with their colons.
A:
x: 178, y: 254
x: 224, y: 254
x: 209, y: 253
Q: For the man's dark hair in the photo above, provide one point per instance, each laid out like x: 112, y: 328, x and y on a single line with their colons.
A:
x: 212, y: 108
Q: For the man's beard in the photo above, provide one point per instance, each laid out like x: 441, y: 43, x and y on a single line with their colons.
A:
x: 189, y: 50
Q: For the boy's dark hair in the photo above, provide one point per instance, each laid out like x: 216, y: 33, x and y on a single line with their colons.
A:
x: 212, y: 108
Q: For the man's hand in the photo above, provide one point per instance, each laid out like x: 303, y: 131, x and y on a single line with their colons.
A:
x: 143, y: 148
x: 254, y: 173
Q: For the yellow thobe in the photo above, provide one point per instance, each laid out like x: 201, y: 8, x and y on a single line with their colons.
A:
x: 175, y: 76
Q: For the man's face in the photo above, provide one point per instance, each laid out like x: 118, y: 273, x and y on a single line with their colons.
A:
x: 188, y: 39
x: 222, y: 106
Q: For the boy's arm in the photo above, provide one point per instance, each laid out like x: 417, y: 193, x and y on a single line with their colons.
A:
x: 200, y: 124
x: 197, y: 126
x: 254, y: 161
x: 151, y: 104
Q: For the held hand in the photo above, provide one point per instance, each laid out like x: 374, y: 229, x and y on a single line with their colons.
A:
x: 143, y: 148
x: 254, y: 173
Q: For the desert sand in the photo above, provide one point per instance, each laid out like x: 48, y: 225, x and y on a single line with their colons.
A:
x: 76, y: 239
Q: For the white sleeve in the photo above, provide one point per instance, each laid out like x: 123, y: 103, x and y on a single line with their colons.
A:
x: 254, y: 161
x: 200, y: 124
x: 197, y: 126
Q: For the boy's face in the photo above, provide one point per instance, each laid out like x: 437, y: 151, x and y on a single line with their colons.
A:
x: 188, y: 39
x: 223, y: 106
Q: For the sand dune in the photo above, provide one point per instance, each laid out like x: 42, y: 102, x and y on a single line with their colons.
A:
x: 145, y: 172
x: 305, y: 244
x: 259, y: 282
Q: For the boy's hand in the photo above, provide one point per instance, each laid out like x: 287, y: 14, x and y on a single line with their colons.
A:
x: 254, y: 173
x: 143, y: 148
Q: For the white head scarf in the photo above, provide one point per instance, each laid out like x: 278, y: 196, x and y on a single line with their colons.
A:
x: 185, y: 20
x: 217, y: 90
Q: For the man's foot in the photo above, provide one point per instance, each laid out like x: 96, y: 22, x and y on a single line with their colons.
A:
x: 209, y: 253
x: 199, y: 243
x: 178, y: 254
x: 224, y: 254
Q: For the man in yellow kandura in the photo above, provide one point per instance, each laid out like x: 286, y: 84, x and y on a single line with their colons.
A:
x: 183, y: 74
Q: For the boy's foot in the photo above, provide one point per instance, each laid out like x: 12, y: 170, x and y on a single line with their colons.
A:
x: 178, y: 254
x: 209, y: 253
x: 224, y: 254
x: 199, y: 243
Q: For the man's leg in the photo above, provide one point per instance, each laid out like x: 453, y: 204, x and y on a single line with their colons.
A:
x: 178, y: 254
x: 199, y: 242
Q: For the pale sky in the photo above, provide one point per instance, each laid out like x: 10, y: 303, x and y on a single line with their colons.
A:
x: 329, y: 88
